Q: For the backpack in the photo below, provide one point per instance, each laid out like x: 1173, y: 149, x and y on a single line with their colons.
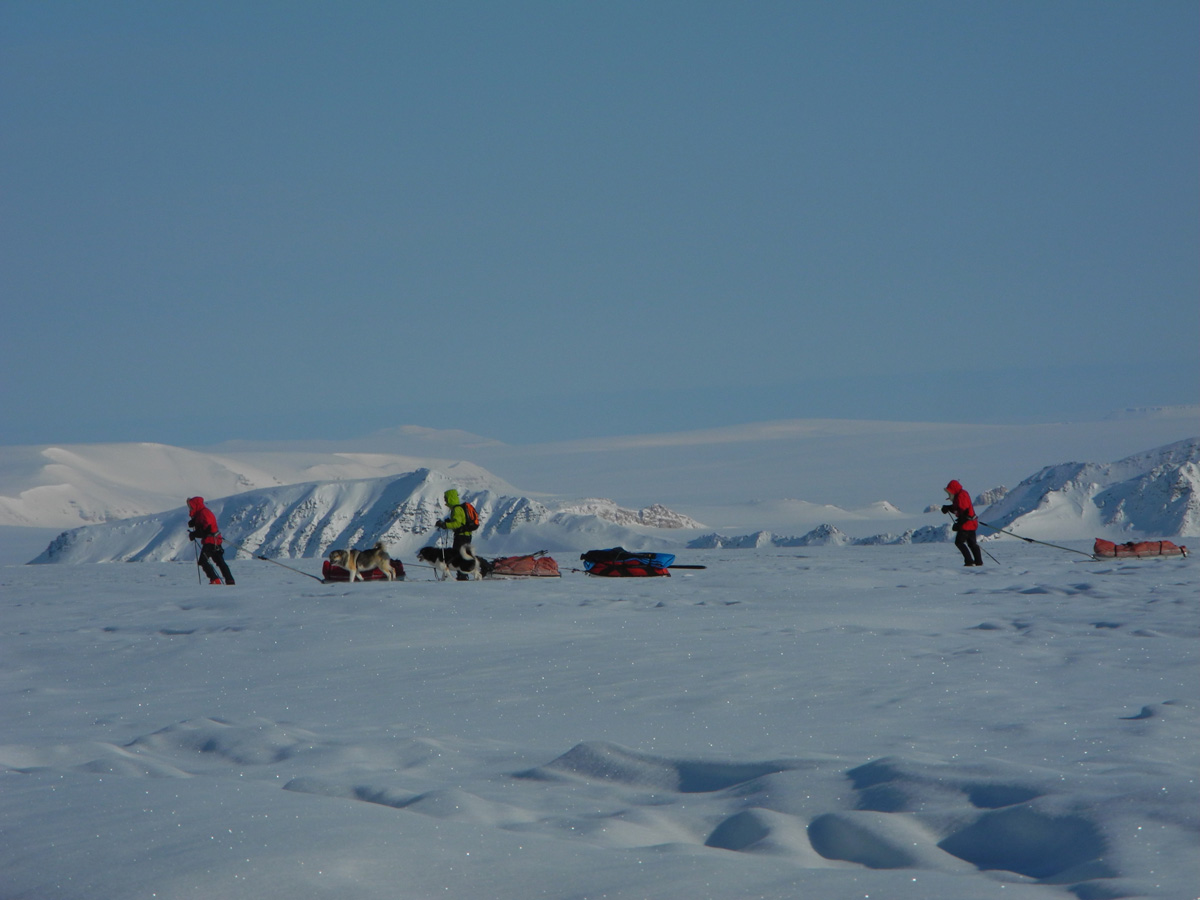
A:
x: 472, y: 517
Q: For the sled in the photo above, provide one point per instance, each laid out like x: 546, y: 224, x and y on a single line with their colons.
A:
x: 621, y: 563
x: 625, y: 568
x: 337, y: 573
x: 1137, y: 549
x: 536, y: 565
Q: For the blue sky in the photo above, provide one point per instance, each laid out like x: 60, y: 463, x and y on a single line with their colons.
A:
x: 541, y: 220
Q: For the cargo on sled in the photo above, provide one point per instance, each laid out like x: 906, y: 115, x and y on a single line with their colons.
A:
x: 330, y: 572
x: 1137, y: 549
x: 619, y: 562
x: 535, y: 565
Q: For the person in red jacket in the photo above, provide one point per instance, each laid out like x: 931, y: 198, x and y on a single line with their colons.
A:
x: 965, y: 523
x: 203, y: 526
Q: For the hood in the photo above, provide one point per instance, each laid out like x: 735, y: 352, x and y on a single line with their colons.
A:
x: 195, y: 504
x: 452, y: 497
x: 954, y: 487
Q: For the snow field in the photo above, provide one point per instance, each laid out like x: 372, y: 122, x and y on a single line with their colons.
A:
x: 832, y: 722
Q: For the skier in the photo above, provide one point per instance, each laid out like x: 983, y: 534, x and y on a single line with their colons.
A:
x: 203, y: 525
x: 965, y: 523
x: 461, y: 522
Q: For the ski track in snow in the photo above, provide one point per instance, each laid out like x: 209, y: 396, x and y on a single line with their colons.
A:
x: 835, y: 723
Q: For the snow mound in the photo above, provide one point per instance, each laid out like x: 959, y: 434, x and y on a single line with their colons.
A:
x: 605, y: 762
x: 866, y: 722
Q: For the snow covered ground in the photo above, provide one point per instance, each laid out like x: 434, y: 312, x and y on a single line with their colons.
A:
x: 851, y: 722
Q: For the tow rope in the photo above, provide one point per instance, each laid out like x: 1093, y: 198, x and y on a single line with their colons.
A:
x: 276, y: 562
x: 1043, y: 543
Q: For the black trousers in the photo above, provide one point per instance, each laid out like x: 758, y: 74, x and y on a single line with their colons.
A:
x: 965, y: 542
x: 460, y: 538
x: 210, y: 554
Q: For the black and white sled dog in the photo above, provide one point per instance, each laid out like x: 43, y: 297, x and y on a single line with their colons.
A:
x: 462, y: 561
x: 358, y: 561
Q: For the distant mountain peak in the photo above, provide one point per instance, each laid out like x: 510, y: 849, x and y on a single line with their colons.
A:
x: 654, y: 516
x: 1152, y: 493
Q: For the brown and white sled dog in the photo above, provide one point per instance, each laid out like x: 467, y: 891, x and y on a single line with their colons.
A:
x: 358, y: 561
x: 462, y: 561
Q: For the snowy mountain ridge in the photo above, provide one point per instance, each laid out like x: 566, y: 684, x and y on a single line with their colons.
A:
x: 822, y: 536
x: 323, y: 499
x: 1153, y: 493
x: 61, y: 487
x: 307, y: 520
x: 653, y: 516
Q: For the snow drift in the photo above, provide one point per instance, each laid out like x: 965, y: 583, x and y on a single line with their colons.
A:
x: 832, y: 723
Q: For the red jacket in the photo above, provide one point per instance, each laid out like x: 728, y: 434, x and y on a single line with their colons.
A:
x: 962, y: 507
x: 203, y: 524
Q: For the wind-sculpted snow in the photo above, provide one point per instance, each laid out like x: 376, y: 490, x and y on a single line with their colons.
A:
x: 608, y: 762
x: 829, y: 722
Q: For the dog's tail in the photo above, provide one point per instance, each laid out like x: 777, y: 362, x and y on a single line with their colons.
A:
x: 379, y: 546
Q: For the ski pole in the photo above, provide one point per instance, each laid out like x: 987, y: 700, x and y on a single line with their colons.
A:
x: 196, y: 548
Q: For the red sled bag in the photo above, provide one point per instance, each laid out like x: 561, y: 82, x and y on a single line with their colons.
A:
x: 330, y: 572
x: 621, y: 563
x: 1136, y: 549
x: 537, y: 565
x: 627, y: 568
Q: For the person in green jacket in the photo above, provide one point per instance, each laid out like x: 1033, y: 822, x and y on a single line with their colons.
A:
x: 459, y: 521
x: 462, y: 521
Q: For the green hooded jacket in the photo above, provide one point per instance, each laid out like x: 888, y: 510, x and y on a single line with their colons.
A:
x: 457, y: 520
